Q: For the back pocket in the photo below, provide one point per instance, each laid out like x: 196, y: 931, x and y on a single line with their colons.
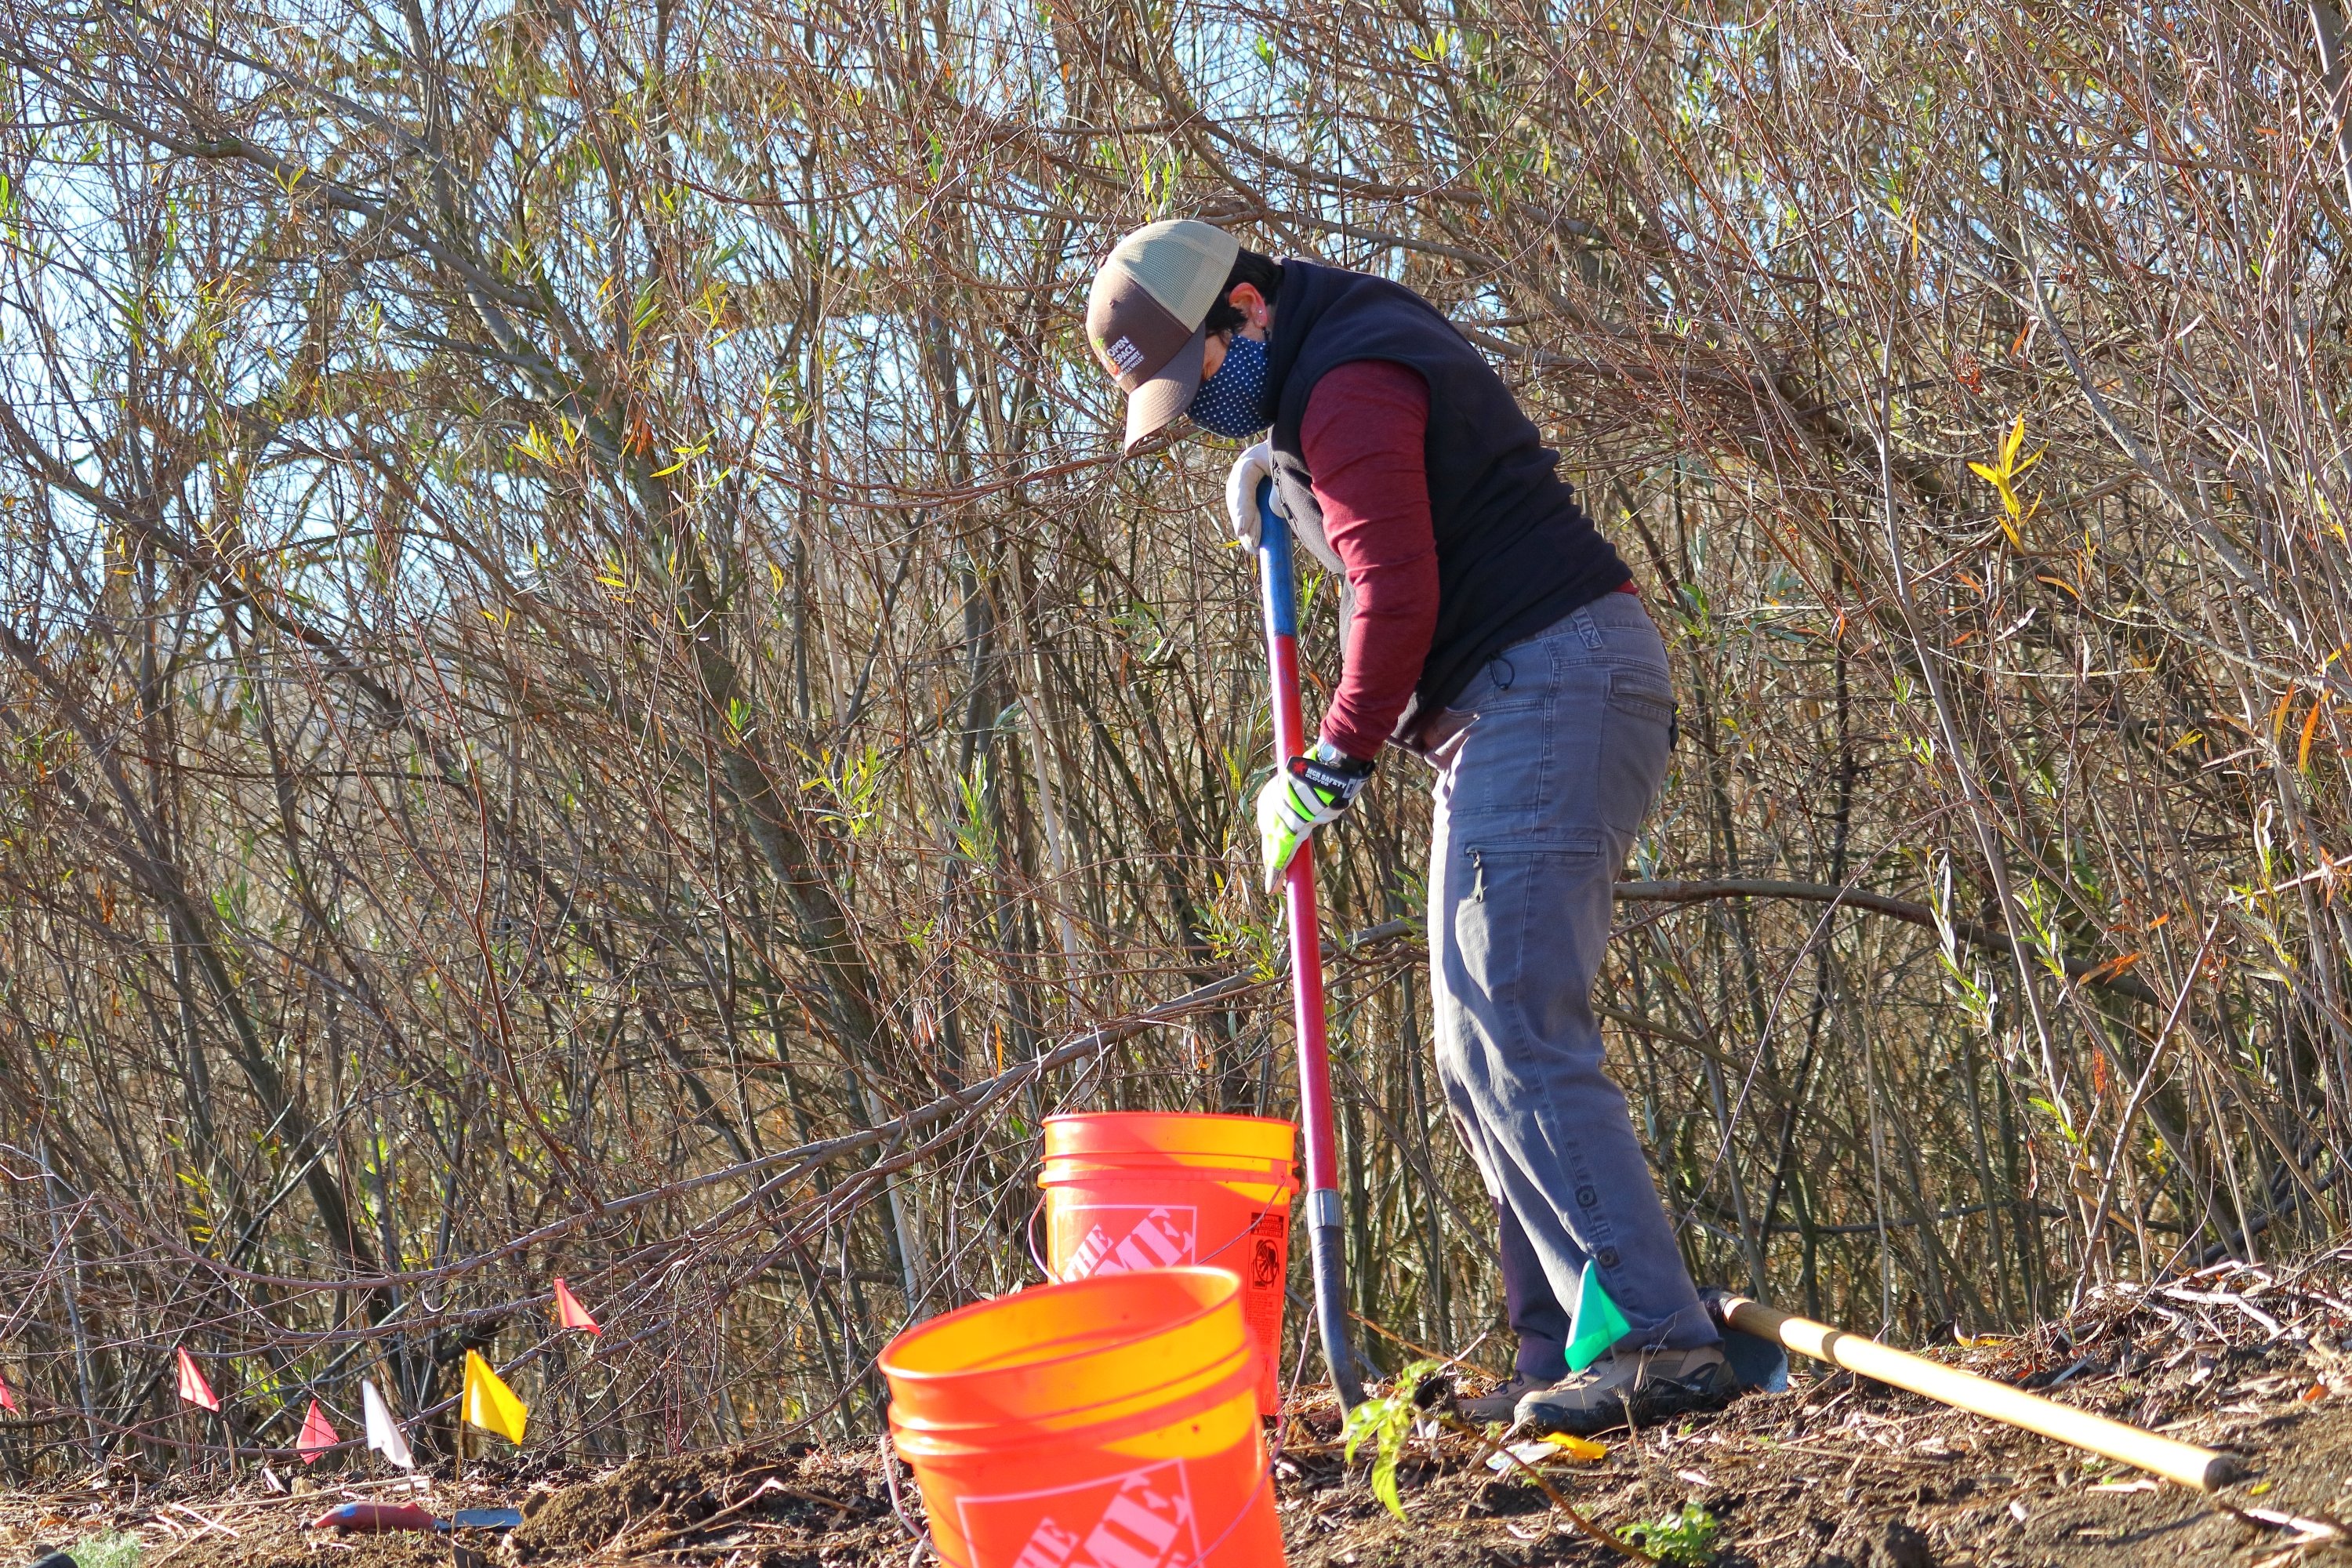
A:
x: 1635, y: 748
x: 1643, y: 693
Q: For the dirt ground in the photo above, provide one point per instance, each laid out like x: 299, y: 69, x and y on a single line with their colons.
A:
x: 1831, y: 1474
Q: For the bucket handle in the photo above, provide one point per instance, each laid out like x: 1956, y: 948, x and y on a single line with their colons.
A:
x: 1264, y: 1480
x: 1264, y: 1483
x: 890, y: 1463
x: 1029, y: 1234
x: 1237, y: 1239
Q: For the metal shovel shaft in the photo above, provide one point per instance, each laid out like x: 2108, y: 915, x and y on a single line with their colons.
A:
x: 1325, y: 1248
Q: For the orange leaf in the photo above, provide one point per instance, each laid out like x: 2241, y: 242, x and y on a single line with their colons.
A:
x: 2303, y: 752
x: 2111, y: 968
x: 2278, y: 714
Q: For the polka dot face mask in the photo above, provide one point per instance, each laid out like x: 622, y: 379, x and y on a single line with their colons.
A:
x: 1233, y: 401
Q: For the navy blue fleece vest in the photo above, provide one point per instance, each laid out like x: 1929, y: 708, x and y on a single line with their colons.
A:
x: 1514, y: 552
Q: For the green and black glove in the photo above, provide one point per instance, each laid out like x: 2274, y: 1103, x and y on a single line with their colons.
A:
x: 1307, y: 793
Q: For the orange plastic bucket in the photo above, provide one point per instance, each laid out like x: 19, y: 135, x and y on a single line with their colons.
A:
x: 1109, y: 1422
x: 1128, y: 1190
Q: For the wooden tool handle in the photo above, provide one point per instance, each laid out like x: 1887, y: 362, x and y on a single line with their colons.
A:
x: 2184, y: 1462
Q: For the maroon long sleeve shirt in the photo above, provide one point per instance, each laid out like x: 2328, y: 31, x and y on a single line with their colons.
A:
x: 1362, y: 438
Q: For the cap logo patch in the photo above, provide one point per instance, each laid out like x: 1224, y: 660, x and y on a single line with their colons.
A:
x: 1124, y: 356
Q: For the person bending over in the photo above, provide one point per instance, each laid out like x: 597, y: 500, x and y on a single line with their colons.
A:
x: 1488, y: 628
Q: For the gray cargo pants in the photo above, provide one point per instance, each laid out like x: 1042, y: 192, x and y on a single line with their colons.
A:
x: 1546, y: 765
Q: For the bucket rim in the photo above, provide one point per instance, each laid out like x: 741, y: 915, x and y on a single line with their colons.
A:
x: 1228, y: 1286
x: 1191, y: 1116
x: 1187, y: 1115
x: 1060, y: 1170
x: 1231, y: 1377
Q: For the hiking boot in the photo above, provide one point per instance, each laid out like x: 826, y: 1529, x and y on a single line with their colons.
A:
x: 1641, y: 1387
x: 1503, y: 1404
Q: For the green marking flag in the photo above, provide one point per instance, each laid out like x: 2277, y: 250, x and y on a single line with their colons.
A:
x: 1598, y: 1324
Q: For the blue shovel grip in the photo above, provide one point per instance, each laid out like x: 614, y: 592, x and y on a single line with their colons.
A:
x: 1274, y: 565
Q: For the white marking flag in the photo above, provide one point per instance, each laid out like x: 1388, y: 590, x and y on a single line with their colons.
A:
x: 382, y: 1431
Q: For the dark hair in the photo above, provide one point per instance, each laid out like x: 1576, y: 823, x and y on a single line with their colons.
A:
x: 1249, y: 267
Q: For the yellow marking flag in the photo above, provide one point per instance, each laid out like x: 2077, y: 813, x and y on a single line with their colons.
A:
x: 490, y: 1404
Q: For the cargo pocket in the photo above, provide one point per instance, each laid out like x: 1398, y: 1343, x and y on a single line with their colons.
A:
x: 1520, y: 924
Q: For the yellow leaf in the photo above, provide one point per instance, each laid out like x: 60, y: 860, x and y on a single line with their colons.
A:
x: 1577, y: 1448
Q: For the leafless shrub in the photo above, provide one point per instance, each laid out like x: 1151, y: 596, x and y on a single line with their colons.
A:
x: 574, y: 631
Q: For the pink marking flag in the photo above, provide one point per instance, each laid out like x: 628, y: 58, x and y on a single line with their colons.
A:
x: 317, y: 1436
x: 569, y: 1313
x: 192, y: 1387
x: 376, y: 1518
x: 7, y: 1400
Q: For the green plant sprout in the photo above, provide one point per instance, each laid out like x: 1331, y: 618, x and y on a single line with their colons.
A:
x: 1686, y: 1537
x: 113, y: 1549
x: 1387, y: 1419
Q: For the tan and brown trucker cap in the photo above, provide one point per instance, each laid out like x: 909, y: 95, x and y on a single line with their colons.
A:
x: 1145, y: 312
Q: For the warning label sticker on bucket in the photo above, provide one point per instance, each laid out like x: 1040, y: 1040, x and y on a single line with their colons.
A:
x: 1118, y: 1238
x: 1269, y: 1254
x: 1141, y: 1520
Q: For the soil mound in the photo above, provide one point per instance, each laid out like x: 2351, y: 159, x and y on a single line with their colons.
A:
x: 791, y: 1507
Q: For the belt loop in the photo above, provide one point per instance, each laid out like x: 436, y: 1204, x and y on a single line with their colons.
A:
x: 1588, y: 628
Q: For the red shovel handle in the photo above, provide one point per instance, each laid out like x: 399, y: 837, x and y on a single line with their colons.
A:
x: 1323, y: 1233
